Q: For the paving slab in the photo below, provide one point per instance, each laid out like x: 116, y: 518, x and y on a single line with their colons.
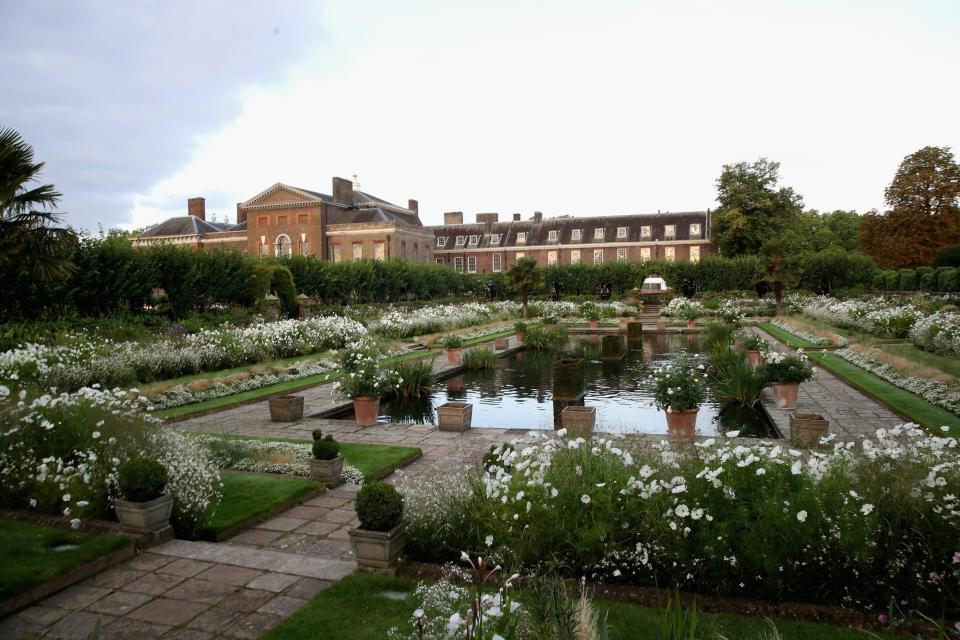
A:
x: 257, y: 558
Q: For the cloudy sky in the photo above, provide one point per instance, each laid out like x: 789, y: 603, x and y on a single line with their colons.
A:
x: 582, y: 108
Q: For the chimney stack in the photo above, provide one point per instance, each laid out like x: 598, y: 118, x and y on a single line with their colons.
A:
x: 197, y: 207
x: 537, y: 216
x: 342, y: 191
x: 241, y: 214
x: 413, y: 205
x: 483, y: 218
x: 516, y: 217
x: 453, y: 217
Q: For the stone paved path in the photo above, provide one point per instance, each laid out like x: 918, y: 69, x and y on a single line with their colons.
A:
x: 851, y: 413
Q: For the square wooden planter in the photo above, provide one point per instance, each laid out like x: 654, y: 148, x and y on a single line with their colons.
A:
x: 455, y: 416
x: 287, y: 408
x: 808, y: 428
x: 578, y: 421
x: 327, y: 471
x: 501, y: 343
x: 378, y: 550
x: 144, y: 517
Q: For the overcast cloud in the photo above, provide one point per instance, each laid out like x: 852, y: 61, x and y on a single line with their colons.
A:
x: 568, y: 108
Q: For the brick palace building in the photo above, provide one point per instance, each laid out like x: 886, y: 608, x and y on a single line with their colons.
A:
x: 351, y: 224
x: 283, y: 220
x: 489, y: 245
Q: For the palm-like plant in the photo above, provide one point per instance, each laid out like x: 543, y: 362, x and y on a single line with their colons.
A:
x: 779, y: 267
x: 27, y: 230
x: 524, y: 275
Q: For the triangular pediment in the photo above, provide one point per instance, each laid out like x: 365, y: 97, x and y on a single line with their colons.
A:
x: 281, y: 194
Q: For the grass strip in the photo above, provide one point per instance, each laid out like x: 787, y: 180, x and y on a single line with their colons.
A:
x: 366, y: 606
x: 249, y: 498
x: 787, y: 338
x: 29, y: 555
x: 914, y: 353
x: 915, y: 408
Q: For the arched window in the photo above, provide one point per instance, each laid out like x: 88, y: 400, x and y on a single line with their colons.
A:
x: 283, y: 245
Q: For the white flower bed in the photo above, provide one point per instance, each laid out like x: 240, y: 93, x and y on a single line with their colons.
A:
x: 934, y: 392
x: 939, y: 332
x: 403, y: 323
x: 678, y: 305
x: 885, y: 317
x: 809, y: 337
x: 261, y: 456
x: 88, y: 361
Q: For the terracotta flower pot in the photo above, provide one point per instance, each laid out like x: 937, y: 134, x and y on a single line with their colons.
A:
x: 453, y: 356
x: 691, y: 324
x: 785, y: 394
x: 366, y: 410
x: 594, y: 324
x: 682, y: 425
x: 519, y: 337
x: 756, y: 358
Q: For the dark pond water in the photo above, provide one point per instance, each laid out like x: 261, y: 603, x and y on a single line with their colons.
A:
x: 518, y: 392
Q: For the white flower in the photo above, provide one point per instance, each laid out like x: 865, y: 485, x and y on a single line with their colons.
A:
x: 33, y: 502
x: 732, y: 434
x: 866, y: 509
x: 489, y: 541
x: 761, y: 471
x: 796, y: 468
x: 585, y: 499
x: 454, y: 623
x: 418, y: 613
x: 95, y: 435
x: 802, y: 516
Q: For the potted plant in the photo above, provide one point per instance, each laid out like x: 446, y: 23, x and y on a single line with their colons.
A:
x: 593, y: 313
x: 144, y: 507
x: 785, y: 374
x: 362, y: 382
x: 452, y: 344
x: 680, y: 388
x: 519, y: 329
x: 690, y: 313
x: 379, y: 540
x: 756, y: 348
x: 327, y: 463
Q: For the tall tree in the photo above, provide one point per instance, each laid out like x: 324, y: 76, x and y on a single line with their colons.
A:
x: 779, y: 267
x: 525, y: 275
x: 924, y: 214
x: 752, y: 208
x: 27, y: 222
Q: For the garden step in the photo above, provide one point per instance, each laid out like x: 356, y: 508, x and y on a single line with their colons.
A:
x: 307, y: 566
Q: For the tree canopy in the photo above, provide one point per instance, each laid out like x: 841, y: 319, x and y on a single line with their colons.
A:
x: 753, y: 207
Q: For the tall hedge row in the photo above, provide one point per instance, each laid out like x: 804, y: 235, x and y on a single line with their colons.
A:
x: 941, y: 279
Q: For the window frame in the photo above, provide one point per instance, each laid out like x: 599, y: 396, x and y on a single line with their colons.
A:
x: 474, y: 240
x: 494, y: 239
x: 600, y: 233
x: 597, y: 256
x: 622, y: 233
x: 553, y: 235
x: 574, y: 256
x: 576, y: 234
x: 471, y: 260
x: 621, y: 254
x: 496, y: 263
x: 646, y: 232
x: 670, y: 254
x: 521, y: 237
x: 460, y: 241
x: 553, y: 257
x: 645, y: 254
x: 458, y: 263
x: 666, y: 231
x: 441, y: 241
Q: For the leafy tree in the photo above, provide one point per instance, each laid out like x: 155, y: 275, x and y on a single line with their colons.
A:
x: 924, y: 214
x: 27, y: 231
x: 525, y: 275
x: 753, y: 209
x: 815, y: 231
x: 780, y: 267
x: 948, y: 256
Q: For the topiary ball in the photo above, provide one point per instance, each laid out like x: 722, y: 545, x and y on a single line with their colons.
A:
x: 379, y: 506
x: 325, y: 449
x: 141, y: 479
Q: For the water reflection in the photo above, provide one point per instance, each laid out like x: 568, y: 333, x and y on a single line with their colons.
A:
x: 517, y: 392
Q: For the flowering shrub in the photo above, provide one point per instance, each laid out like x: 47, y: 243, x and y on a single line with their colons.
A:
x: 403, y: 323
x: 266, y: 456
x: 809, y: 337
x: 846, y: 524
x: 784, y: 369
x: 362, y: 377
x: 679, y: 386
x: 86, y: 361
x: 60, y: 454
x: 885, y: 317
x: 939, y: 332
x: 678, y: 308
x: 934, y: 392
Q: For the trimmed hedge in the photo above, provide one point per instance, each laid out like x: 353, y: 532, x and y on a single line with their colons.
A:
x: 941, y: 279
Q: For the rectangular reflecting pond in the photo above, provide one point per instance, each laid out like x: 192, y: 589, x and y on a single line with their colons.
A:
x: 518, y: 392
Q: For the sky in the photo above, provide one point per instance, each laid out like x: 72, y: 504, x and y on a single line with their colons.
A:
x: 569, y: 108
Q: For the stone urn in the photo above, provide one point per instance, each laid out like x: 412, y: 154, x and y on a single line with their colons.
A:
x: 366, y: 410
x: 378, y: 550
x: 288, y: 408
x: 785, y: 394
x: 808, y: 428
x: 682, y: 425
x: 327, y: 471
x: 454, y: 416
x: 144, y: 517
x: 453, y: 356
x: 756, y: 358
x: 578, y: 421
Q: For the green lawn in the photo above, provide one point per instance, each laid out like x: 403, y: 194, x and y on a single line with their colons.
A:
x: 220, y: 373
x: 918, y: 355
x: 787, y: 338
x: 246, y: 497
x: 365, y: 606
x: 28, y: 554
x: 900, y: 400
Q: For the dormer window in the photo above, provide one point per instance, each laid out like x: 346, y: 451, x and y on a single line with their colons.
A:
x: 576, y: 234
x: 522, y: 237
x: 646, y: 233
x: 695, y: 230
x: 553, y: 235
x: 474, y: 240
x: 598, y: 233
x: 494, y: 239
x: 621, y: 233
x: 461, y: 240
x: 442, y: 241
x: 670, y: 231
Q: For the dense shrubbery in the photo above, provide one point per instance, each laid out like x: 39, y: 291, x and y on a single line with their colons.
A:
x: 859, y: 526
x: 942, y: 279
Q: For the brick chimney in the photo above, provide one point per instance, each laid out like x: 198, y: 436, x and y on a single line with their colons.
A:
x: 516, y: 217
x: 241, y: 215
x: 197, y: 207
x: 537, y: 216
x: 483, y: 218
x: 413, y: 205
x: 453, y: 217
x: 342, y: 191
